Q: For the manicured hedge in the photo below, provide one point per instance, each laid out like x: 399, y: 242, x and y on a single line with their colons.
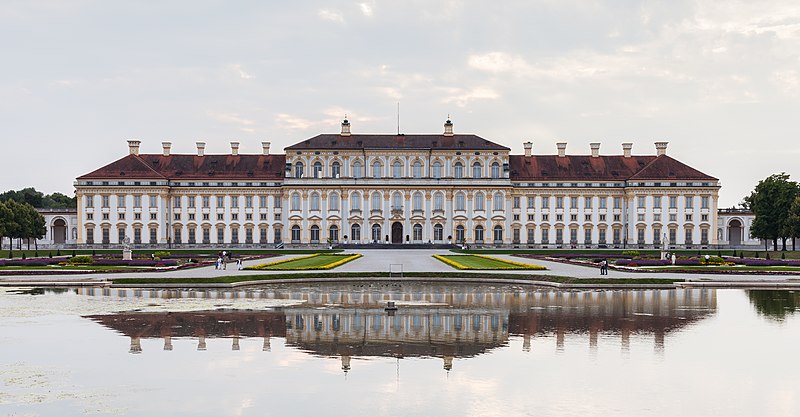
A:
x: 135, y: 262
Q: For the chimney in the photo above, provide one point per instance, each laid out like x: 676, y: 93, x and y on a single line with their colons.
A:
x: 562, y: 149
x: 626, y: 149
x: 661, y: 148
x: 133, y: 146
x: 201, y: 148
x: 234, y: 148
x: 448, y: 127
x: 345, y: 127
x: 528, y: 146
x: 595, y: 149
x: 265, y: 147
x: 166, y: 146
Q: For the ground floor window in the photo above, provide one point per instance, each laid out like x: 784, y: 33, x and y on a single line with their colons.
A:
x: 531, y: 236
x: 89, y: 235
x: 417, y: 232
x: 278, y: 235
x: 333, y: 233
x: 479, y: 234
x: 616, y: 236
x: 262, y: 238
x: 657, y: 236
x: 121, y: 234
x: 573, y: 236
x: 248, y: 235
x: 153, y: 236
x: 376, y: 233
x: 587, y: 236
x: 106, y: 236
x: 177, y: 235
x: 689, y: 235
x: 206, y: 236
x: 545, y: 236
x: 516, y: 235
x: 192, y: 236
x: 295, y: 234
x: 460, y: 234
x: 314, y: 234
x: 704, y: 236
x: 640, y: 236
x: 559, y: 236
x: 602, y: 236
x: 498, y: 234
x: 673, y: 236
x: 438, y: 232
x: 355, y: 232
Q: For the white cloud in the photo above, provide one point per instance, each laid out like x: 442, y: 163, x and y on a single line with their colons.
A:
x: 288, y: 121
x: 330, y: 15
x: 232, y: 118
x: 237, y: 68
x: 461, y: 97
x: 498, y: 62
x: 366, y: 9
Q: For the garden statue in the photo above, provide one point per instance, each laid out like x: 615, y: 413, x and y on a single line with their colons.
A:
x: 126, y: 249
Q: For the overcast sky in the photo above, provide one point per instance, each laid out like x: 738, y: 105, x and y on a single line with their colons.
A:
x: 719, y: 80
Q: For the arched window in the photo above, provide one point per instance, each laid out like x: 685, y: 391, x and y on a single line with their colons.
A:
x: 437, y: 169
x: 397, y: 201
x: 317, y: 169
x: 417, y: 169
x: 459, y: 234
x: 417, y: 235
x: 479, y: 234
x: 418, y: 201
x: 298, y: 170
x: 479, y: 201
x: 296, y: 201
x: 355, y: 232
x: 355, y: 201
x: 495, y: 170
x: 460, y: 201
x: 315, y: 201
x: 438, y: 232
x: 336, y: 169
x: 376, y: 169
x: 295, y: 234
x: 458, y: 170
x: 476, y: 170
x: 333, y: 233
x: 333, y: 202
x: 376, y: 201
x: 498, y: 234
x: 376, y: 233
x: 357, y: 173
x: 438, y: 201
x: 397, y: 169
x: 315, y: 234
x: 498, y: 201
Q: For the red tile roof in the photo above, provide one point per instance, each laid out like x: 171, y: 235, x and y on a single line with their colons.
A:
x: 402, y: 141
x: 192, y: 167
x: 601, y: 168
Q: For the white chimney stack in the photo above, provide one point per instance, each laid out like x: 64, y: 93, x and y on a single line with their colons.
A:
x: 562, y: 149
x: 265, y: 147
x: 595, y: 149
x: 201, y: 148
x: 234, y: 148
x: 661, y: 148
x: 626, y: 149
x: 448, y: 127
x: 133, y: 146
x: 528, y: 146
x: 345, y: 127
x: 166, y: 146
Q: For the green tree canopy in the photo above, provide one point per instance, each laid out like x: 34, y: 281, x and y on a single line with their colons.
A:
x: 770, y: 202
x: 39, y: 200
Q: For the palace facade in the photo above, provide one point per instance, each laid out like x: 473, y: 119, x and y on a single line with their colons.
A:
x: 398, y: 189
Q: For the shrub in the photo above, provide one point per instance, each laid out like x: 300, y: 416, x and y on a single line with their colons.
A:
x: 23, y: 256
x: 49, y: 254
x: 161, y: 254
x: 82, y: 260
x: 767, y: 257
x: 783, y: 255
x: 631, y: 253
x: 58, y: 252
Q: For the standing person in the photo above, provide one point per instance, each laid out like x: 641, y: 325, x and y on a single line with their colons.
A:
x: 218, y: 263
x: 239, y: 264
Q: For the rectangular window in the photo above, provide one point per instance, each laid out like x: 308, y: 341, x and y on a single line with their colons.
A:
x: 545, y: 236
x: 137, y: 201
x: 120, y: 201
x: 602, y: 217
x: 206, y: 201
x: 248, y: 235
x: 617, y: 217
x: 277, y: 217
x: 545, y: 217
x: 262, y: 217
x: 176, y: 217
x: 689, y: 201
x: 603, y: 202
x: 106, y: 236
x: 153, y: 216
x: 220, y: 216
x: 263, y: 235
x: 191, y: 200
x: 531, y: 202
x: 573, y: 202
x: 587, y: 217
x: 234, y: 201
x: 105, y: 201
x: 617, y: 202
x: 176, y: 202
x: 673, y: 217
x: 105, y: 216
x: 206, y: 236
x: 137, y: 216
x: 121, y: 216
x: 516, y: 202
x: 531, y: 236
x: 657, y: 202
x: 704, y: 217
x: 192, y: 236
x: 673, y: 202
x: 545, y: 202
x: 153, y: 236
x: 657, y: 217
x: 153, y: 201
x: 206, y: 216
x: 516, y: 217
x: 248, y: 216
x: 640, y: 217
x: 234, y: 216
x: 601, y: 235
x: 616, y: 235
x: 689, y: 217
x: 248, y: 201
x: 559, y: 236
x: 688, y: 234
x: 220, y: 235
x: 559, y: 217
x: 277, y: 202
x: 191, y: 216
x: 137, y: 235
x: 89, y: 235
x: 89, y: 201
x: 704, y: 202
x: 657, y: 236
x: 262, y: 202
x: 587, y: 236
x: 220, y: 201
x: 515, y: 235
x: 640, y: 202
x: 573, y: 217
x: 531, y: 217
x: 177, y: 238
x: 235, y: 235
x: 640, y: 236
x: 587, y: 202
x: 121, y: 235
x: 559, y: 202
x: 673, y: 235
x: 704, y: 236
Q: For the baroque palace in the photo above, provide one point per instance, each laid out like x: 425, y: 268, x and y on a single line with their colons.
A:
x: 398, y: 189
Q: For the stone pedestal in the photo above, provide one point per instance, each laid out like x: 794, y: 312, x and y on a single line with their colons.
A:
x: 126, y: 255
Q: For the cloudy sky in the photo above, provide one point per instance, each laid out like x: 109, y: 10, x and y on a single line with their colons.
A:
x: 719, y: 80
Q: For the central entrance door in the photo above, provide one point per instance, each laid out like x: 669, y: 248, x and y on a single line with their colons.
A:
x: 735, y: 233
x: 397, y: 232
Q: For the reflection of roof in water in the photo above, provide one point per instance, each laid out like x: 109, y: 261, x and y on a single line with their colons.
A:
x: 218, y: 323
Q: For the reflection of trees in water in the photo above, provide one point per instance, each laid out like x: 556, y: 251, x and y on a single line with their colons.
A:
x: 774, y: 304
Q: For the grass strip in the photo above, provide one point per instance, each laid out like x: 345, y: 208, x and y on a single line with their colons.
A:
x: 316, y: 261
x: 230, y: 279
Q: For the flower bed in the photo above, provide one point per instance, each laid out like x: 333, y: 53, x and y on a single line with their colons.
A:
x: 317, y: 261
x: 135, y: 262
x: 484, y: 262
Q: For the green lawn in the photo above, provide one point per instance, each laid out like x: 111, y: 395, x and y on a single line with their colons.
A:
x: 317, y: 261
x: 485, y: 263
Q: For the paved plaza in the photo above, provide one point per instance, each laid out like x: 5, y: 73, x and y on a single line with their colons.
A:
x: 407, y: 260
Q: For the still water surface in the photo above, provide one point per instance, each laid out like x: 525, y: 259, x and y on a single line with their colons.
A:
x: 447, y: 350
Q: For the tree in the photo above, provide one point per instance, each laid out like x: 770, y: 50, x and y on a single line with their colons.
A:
x: 38, y: 199
x: 6, y: 223
x: 770, y: 202
x: 793, y: 222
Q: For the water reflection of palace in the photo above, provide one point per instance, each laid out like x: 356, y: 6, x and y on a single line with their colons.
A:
x: 432, y: 320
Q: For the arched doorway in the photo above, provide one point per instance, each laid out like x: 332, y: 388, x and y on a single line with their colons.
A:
x: 397, y: 232
x: 59, y: 232
x: 735, y: 232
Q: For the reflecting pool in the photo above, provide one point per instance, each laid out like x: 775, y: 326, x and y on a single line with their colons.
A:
x: 446, y: 350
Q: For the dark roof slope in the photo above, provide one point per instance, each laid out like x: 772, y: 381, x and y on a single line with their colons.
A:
x: 601, y: 168
x: 402, y: 141
x: 192, y: 167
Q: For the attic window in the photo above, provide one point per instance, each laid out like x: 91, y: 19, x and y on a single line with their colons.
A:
x: 333, y: 143
x: 178, y: 173
x: 122, y: 173
x: 433, y: 143
x: 641, y: 163
x: 461, y: 143
x: 359, y: 143
x: 250, y: 173
x: 155, y: 161
x: 615, y: 173
x: 210, y: 173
